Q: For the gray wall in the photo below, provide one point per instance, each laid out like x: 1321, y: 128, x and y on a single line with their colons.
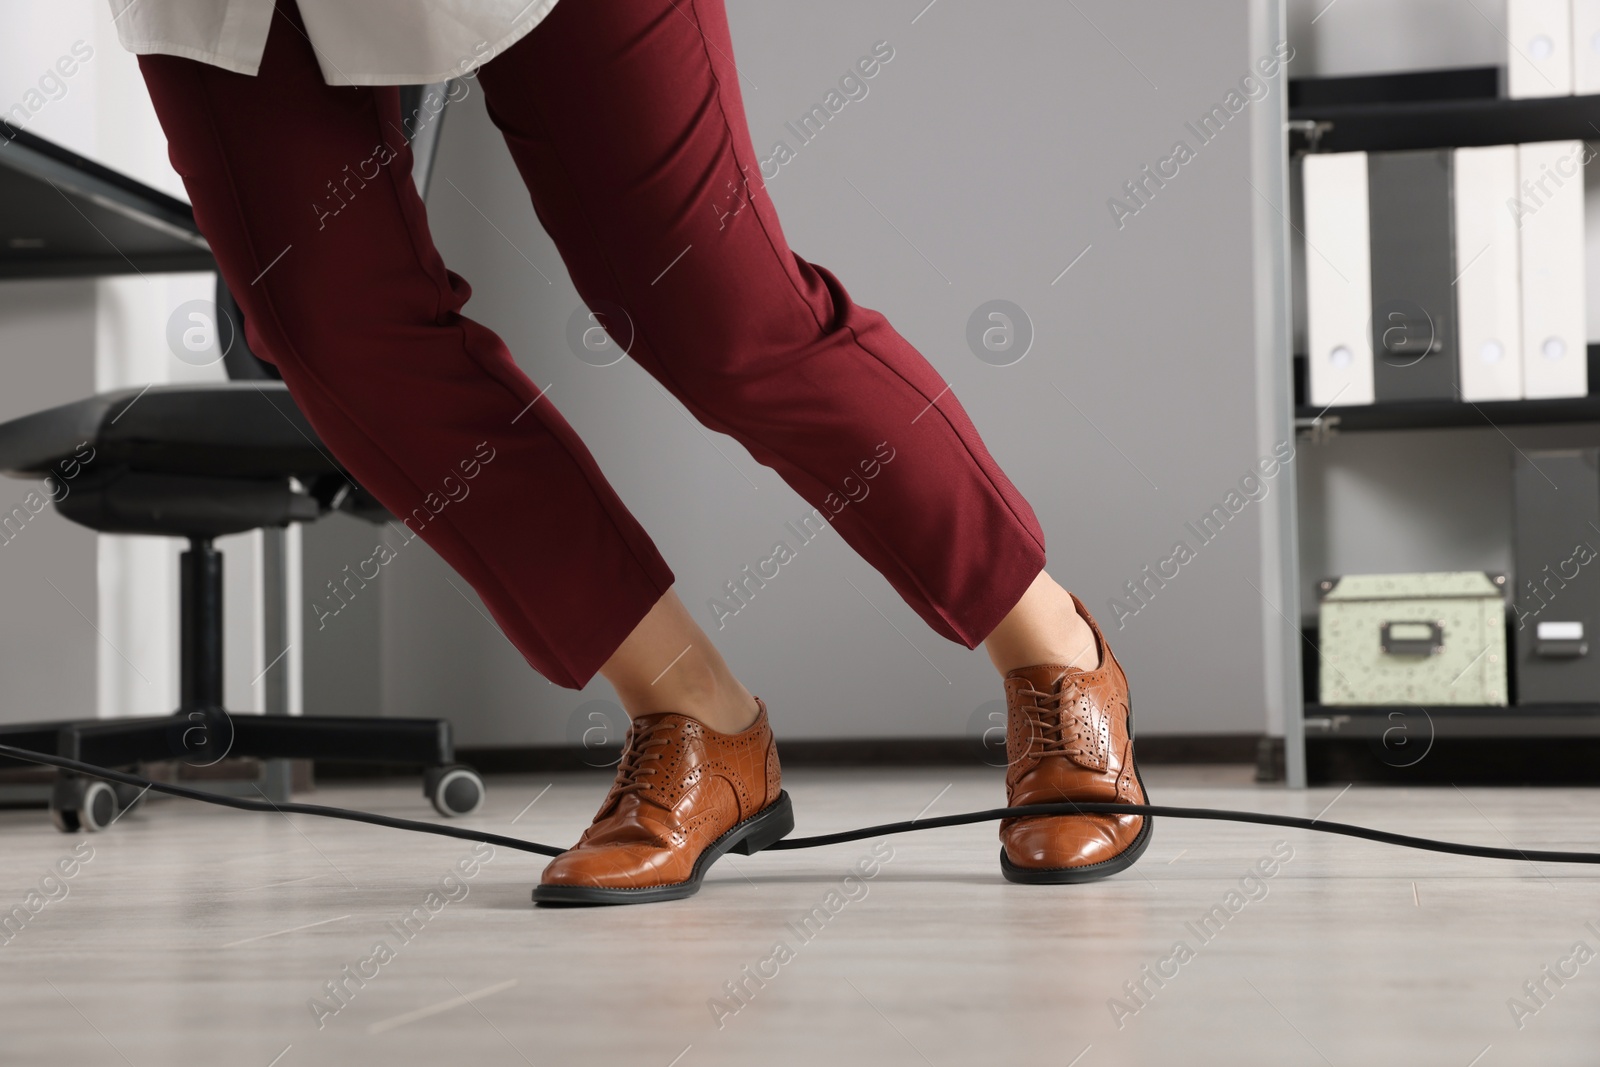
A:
x: 340, y: 650
x: 993, y: 142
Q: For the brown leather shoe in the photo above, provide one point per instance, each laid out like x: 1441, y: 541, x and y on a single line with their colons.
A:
x: 1069, y: 736
x: 684, y: 795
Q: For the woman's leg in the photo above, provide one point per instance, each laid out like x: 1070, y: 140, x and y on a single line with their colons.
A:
x: 305, y: 194
x: 625, y: 120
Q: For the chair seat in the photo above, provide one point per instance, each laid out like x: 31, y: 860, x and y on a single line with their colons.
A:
x: 234, y: 429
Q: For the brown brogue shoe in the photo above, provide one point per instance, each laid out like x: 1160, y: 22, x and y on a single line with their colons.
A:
x: 1069, y: 737
x: 685, y: 794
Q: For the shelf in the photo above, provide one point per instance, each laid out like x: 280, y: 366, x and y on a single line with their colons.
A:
x: 1447, y: 723
x: 1452, y: 414
x: 1446, y: 414
x: 1460, y: 107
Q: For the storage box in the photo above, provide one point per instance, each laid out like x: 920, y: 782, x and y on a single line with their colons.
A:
x: 1556, y: 598
x: 1431, y: 638
x: 1412, y: 239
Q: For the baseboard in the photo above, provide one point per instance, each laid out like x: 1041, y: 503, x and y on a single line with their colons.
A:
x: 874, y: 752
x: 1265, y: 753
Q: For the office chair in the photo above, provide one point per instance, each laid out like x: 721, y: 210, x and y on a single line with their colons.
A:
x: 193, y: 461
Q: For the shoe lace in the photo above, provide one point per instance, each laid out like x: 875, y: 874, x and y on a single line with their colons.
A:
x: 640, y: 758
x: 1055, y: 726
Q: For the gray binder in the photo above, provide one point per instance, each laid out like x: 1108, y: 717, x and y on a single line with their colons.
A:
x: 1556, y: 598
x: 1411, y: 223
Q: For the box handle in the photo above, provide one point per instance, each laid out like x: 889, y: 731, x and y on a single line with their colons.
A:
x: 1409, y: 637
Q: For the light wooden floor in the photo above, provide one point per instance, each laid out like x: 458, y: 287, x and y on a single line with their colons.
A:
x: 199, y: 936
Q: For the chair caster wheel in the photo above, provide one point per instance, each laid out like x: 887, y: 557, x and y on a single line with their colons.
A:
x: 83, y: 805
x: 454, y: 789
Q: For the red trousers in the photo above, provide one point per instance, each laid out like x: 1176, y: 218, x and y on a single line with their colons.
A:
x: 625, y: 121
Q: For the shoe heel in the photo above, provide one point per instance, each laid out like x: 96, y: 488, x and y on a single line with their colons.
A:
x: 768, y: 827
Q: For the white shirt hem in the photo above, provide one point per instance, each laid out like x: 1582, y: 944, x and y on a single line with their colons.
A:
x: 202, y: 55
x: 461, y: 70
x: 244, y: 31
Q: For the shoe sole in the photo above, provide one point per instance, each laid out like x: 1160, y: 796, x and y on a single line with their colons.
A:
x: 766, y: 827
x: 1091, y: 872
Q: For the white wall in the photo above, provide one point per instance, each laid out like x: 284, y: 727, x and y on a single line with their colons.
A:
x: 48, y: 645
x: 1338, y: 37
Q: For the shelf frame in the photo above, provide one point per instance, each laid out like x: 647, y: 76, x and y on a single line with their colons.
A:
x: 1455, y: 108
x: 1352, y: 722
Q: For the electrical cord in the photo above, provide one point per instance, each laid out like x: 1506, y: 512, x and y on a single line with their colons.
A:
x: 1292, y: 822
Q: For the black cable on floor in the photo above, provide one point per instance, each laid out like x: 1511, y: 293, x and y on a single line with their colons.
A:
x: 991, y: 815
x: 1294, y: 822
x: 245, y: 804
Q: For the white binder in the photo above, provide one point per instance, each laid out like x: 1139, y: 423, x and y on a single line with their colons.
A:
x: 1555, y: 332
x: 1539, y: 50
x: 1488, y: 281
x: 1338, y: 279
x: 1586, y: 46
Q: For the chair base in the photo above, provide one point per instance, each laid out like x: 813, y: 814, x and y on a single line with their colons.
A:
x: 202, y: 737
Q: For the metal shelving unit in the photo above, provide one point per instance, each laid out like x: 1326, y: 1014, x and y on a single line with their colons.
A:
x: 1436, y: 109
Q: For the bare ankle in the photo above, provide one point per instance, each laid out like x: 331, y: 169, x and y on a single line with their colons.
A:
x: 1043, y: 627
x: 703, y: 691
x: 735, y: 715
x: 669, y: 664
x: 731, y: 710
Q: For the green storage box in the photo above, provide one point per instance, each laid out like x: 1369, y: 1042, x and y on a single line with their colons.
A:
x: 1432, y: 638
